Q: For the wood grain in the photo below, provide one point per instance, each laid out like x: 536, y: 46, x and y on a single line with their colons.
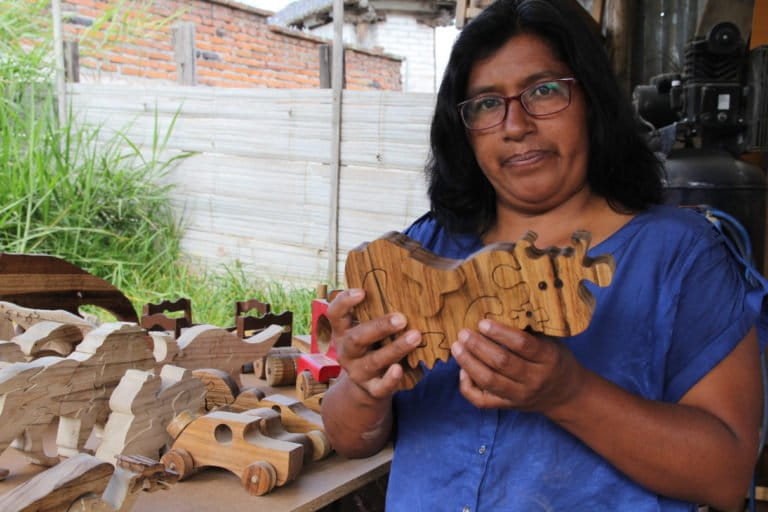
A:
x: 516, y: 284
x: 233, y: 441
x: 142, y: 405
x: 47, y: 282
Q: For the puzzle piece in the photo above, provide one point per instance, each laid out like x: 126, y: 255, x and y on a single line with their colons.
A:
x: 513, y: 283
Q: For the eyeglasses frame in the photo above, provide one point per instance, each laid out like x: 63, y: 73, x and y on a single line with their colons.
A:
x: 508, y: 99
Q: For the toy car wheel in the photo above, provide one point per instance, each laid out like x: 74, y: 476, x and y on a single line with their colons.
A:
x: 307, y: 386
x: 280, y: 369
x: 321, y: 446
x: 259, y: 478
x: 180, y: 461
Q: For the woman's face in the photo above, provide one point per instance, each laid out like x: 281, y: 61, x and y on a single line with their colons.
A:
x: 534, y: 164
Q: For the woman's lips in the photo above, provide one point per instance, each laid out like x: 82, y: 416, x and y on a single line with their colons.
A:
x: 527, y: 158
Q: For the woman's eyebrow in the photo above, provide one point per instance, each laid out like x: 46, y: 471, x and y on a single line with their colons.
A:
x: 526, y: 82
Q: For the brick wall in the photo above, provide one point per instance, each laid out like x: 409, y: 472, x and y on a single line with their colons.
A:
x: 235, y: 48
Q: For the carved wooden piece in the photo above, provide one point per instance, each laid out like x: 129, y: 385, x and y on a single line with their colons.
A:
x: 280, y: 369
x: 307, y: 385
x: 153, y: 317
x: 296, y: 416
x: 271, y: 425
x: 513, y: 283
x: 260, y: 364
x: 85, y: 483
x: 76, y: 389
x: 57, y: 488
x: 133, y: 474
x: 233, y: 441
x: 245, y: 325
x: 45, y: 282
x: 314, y: 402
x: 248, y: 398
x: 207, y: 346
x: 27, y: 317
x: 220, y: 388
x: 48, y: 338
x: 143, y: 405
x: 11, y: 353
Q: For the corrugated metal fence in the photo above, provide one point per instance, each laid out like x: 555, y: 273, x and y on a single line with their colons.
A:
x: 257, y: 187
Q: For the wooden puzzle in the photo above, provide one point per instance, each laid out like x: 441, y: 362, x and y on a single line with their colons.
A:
x: 208, y: 346
x: 75, y: 389
x: 516, y: 284
x: 143, y: 405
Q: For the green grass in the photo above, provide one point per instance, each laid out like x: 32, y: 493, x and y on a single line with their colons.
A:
x: 95, y: 200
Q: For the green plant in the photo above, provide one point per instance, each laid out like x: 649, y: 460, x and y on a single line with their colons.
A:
x: 95, y: 200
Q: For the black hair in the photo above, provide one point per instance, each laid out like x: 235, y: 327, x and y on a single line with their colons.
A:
x: 622, y: 168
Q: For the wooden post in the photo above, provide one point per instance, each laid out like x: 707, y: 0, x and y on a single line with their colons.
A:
x: 618, y: 23
x: 337, y: 84
x: 325, y: 66
x: 72, y: 61
x: 759, y: 25
x: 58, y: 54
x: 184, y: 52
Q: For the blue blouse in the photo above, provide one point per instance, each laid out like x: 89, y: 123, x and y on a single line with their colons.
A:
x: 677, y: 305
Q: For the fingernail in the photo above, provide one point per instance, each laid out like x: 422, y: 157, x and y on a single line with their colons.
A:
x: 457, y: 349
x: 462, y: 374
x: 397, y: 320
x: 356, y: 293
x: 484, y: 325
x: 413, y: 338
x: 463, y: 335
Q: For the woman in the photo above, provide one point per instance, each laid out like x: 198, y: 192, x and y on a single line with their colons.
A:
x: 657, y: 405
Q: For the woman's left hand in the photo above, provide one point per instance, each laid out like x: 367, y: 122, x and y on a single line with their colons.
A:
x: 504, y: 367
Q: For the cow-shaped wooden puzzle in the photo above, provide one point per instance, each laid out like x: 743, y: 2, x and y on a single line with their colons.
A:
x: 516, y: 284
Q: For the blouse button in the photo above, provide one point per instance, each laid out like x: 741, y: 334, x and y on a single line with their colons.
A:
x: 481, y: 450
x: 465, y: 509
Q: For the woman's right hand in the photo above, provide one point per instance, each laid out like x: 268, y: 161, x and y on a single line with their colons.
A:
x: 373, y: 369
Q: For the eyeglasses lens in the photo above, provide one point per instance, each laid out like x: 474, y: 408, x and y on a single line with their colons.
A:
x: 540, y: 100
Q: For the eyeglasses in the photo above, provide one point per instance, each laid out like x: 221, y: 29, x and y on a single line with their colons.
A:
x: 541, y: 99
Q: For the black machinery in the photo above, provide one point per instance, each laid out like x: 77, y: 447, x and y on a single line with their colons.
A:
x: 703, y: 120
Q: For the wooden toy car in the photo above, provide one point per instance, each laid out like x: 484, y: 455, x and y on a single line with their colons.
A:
x: 233, y: 441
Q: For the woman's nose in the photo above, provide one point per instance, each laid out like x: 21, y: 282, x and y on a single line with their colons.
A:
x: 517, y: 122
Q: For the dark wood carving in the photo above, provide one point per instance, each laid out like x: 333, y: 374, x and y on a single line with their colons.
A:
x: 513, y: 283
x: 46, y: 282
x: 154, y: 318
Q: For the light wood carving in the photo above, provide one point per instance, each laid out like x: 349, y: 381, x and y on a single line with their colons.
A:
x: 271, y: 425
x: 220, y: 388
x: 49, y: 338
x: 260, y: 364
x: 85, y: 483
x: 206, y: 346
x: 513, y: 283
x: 60, y: 486
x: 234, y: 441
x: 27, y: 317
x: 296, y: 417
x: 248, y: 398
x: 314, y: 402
x: 10, y: 353
x: 76, y: 389
x: 143, y: 405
